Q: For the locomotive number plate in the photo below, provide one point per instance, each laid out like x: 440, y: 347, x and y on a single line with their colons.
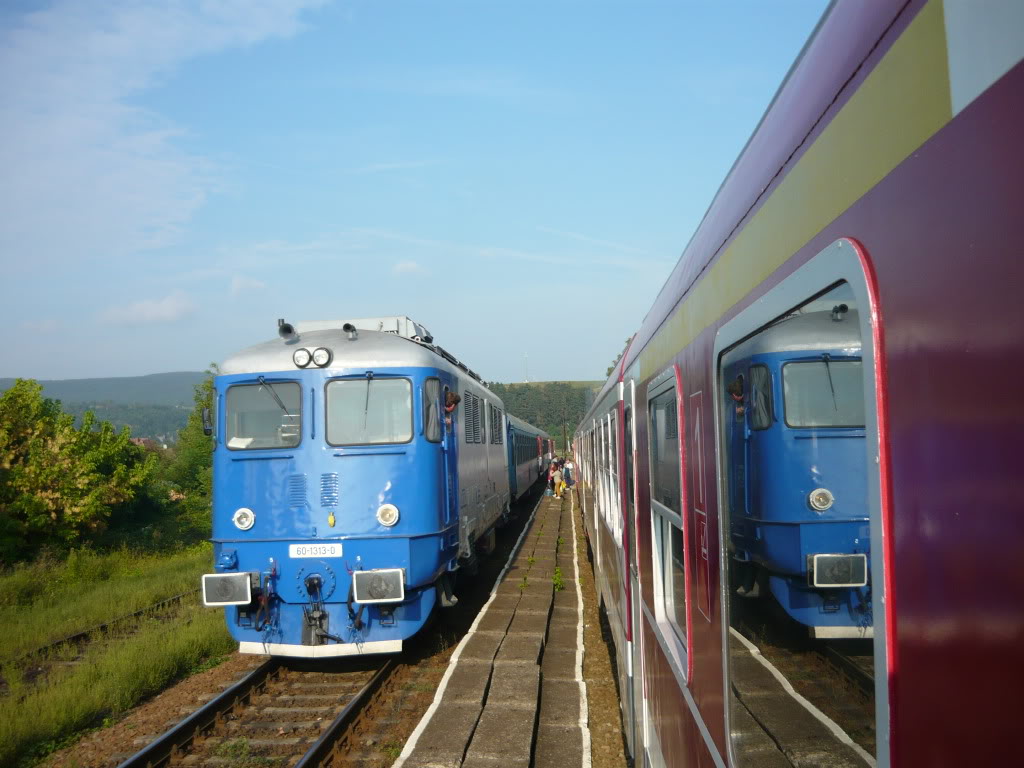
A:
x: 314, y: 550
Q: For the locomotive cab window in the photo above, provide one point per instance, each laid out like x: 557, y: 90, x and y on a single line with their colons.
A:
x: 369, y: 411
x: 264, y: 415
x: 801, y: 571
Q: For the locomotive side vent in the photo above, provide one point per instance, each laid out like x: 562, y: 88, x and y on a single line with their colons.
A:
x: 297, y: 491
x: 329, y: 489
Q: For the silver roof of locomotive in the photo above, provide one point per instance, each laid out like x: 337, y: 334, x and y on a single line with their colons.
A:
x: 400, y: 344
x: 804, y: 332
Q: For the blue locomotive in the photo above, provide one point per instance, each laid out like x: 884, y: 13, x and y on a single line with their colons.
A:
x: 356, y: 467
x: 794, y: 433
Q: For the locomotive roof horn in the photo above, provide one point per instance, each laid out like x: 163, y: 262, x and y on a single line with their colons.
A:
x: 286, y: 330
x: 350, y: 330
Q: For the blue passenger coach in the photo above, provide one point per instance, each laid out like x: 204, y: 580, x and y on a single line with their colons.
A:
x: 347, y: 487
x: 794, y: 432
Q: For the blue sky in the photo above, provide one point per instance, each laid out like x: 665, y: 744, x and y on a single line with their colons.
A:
x: 519, y: 177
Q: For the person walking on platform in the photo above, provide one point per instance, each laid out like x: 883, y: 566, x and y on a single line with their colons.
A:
x: 556, y: 478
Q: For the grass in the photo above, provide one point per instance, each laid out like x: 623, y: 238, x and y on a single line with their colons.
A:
x: 48, y: 600
x: 112, y: 678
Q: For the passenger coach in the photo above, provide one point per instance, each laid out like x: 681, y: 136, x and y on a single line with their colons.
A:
x: 804, y: 438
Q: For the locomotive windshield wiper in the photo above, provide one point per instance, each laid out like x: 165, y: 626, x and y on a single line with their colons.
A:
x: 366, y: 406
x: 273, y: 392
x: 828, y: 370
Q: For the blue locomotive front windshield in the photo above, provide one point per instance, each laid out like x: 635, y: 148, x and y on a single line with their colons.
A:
x: 369, y: 411
x: 263, y: 415
x: 824, y: 393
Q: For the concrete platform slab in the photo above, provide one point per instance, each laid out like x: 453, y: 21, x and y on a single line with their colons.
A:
x: 504, y: 733
x: 482, y: 645
x: 537, y: 599
x: 558, y: 664
x: 495, y: 621
x: 468, y: 684
x: 529, y: 623
x: 562, y: 614
x: 562, y: 636
x: 443, y: 742
x: 515, y: 685
x: 566, y: 598
x: 504, y: 602
x: 558, y: 746
x: 560, y: 702
x: 520, y: 649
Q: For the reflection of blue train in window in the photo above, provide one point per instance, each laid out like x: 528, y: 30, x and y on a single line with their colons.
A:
x: 794, y: 431
x: 350, y: 484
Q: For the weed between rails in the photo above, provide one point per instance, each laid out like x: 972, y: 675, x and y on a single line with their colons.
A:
x: 239, y: 754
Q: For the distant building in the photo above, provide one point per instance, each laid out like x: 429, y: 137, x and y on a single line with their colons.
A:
x: 145, y: 442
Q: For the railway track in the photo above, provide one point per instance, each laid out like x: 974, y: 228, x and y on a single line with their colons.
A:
x: 858, y: 669
x: 38, y: 662
x: 277, y: 715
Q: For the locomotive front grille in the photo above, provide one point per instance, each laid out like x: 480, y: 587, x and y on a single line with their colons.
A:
x: 385, y: 585
x: 838, y: 570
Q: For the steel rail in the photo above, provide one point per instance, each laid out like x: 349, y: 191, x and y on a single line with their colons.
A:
x: 80, y: 637
x: 849, y: 669
x: 323, y: 746
x: 161, y: 750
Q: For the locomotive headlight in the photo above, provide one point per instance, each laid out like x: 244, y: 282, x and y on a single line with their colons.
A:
x: 820, y: 499
x: 302, y: 357
x: 244, y: 518
x: 322, y: 356
x: 387, y: 514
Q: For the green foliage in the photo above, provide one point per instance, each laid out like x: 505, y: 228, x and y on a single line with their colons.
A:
x: 58, y: 482
x: 618, y: 357
x: 190, y: 471
x: 554, y: 406
x: 557, y: 579
x: 158, y: 422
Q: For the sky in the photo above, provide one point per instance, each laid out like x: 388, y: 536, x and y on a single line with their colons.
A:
x: 518, y: 177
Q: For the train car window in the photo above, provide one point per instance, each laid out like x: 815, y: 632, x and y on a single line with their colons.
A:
x: 264, y: 415
x: 824, y: 393
x: 664, y: 431
x: 369, y: 411
x: 432, y: 410
x: 798, y: 526
x: 760, y: 397
x: 666, y: 505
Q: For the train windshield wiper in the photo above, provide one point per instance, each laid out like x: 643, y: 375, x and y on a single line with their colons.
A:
x: 831, y: 386
x: 273, y: 392
x: 366, y: 405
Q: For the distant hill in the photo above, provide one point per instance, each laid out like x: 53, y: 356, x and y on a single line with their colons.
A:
x: 157, y: 406
x: 170, y: 389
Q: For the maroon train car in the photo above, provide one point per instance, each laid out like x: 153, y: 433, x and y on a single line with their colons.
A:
x: 887, y: 175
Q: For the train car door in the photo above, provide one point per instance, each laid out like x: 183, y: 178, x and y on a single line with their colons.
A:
x: 449, y: 449
x: 636, y: 706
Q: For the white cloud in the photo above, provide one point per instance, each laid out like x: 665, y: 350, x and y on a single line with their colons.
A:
x: 170, y: 308
x: 407, y: 268
x: 241, y: 284
x: 85, y: 172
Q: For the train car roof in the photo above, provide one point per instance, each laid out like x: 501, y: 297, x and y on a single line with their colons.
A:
x: 816, y: 87
x: 525, y: 426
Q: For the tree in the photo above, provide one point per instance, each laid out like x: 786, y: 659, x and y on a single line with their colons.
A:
x: 57, y: 482
x: 191, y: 470
x: 618, y: 357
